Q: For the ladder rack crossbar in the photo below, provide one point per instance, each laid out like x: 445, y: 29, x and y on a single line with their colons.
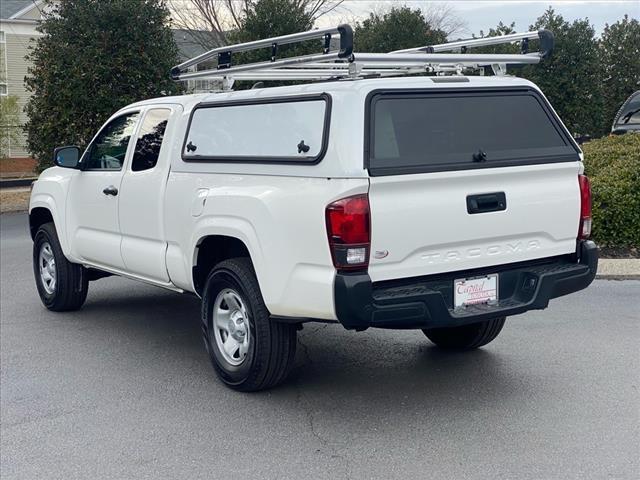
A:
x: 473, y: 42
x: 229, y: 72
x: 279, y: 74
x: 438, y: 58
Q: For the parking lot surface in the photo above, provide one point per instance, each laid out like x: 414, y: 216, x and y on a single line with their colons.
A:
x: 123, y: 389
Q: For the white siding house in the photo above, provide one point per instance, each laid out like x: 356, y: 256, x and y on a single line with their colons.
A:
x: 18, y: 21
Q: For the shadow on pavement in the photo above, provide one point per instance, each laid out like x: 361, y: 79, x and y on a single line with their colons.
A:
x: 352, y: 368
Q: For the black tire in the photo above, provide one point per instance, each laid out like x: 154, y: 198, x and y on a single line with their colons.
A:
x: 272, y: 345
x: 466, y: 337
x: 71, y: 279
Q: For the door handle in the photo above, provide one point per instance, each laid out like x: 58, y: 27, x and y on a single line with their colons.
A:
x: 488, y: 202
x: 110, y: 190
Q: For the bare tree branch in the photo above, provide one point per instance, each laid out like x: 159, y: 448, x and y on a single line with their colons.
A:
x: 209, y: 22
x: 443, y: 16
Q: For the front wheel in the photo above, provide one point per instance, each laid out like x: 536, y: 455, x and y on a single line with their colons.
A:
x: 248, y: 350
x: 466, y: 337
x: 62, y: 285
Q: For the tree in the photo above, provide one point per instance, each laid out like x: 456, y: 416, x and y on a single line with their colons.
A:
x: 571, y: 78
x: 208, y: 21
x: 94, y: 57
x: 500, y: 30
x: 398, y: 28
x: 10, y: 128
x: 620, y: 50
x: 443, y: 16
x: 272, y: 18
x: 214, y: 23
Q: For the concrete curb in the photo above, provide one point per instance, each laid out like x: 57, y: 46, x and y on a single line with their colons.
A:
x: 617, y: 278
x: 17, y: 182
x: 14, y: 210
x: 619, y: 269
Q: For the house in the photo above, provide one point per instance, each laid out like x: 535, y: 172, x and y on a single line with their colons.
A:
x: 189, y: 45
x: 18, y: 22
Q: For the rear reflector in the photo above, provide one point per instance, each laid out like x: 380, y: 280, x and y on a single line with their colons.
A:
x: 349, y: 232
x: 584, y: 230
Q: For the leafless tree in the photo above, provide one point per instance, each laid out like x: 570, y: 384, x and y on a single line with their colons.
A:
x: 439, y: 15
x: 443, y: 16
x: 208, y: 22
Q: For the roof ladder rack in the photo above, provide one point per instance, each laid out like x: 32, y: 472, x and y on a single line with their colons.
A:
x: 224, y: 54
x: 545, y: 37
x: 344, y: 63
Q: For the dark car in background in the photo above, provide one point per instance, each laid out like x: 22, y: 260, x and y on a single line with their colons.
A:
x: 628, y: 117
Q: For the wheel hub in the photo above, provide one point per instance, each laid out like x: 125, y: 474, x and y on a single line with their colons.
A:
x: 237, y: 326
x: 47, y: 268
x: 231, y: 326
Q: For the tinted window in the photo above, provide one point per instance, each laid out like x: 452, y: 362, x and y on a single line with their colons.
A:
x: 108, y: 150
x: 283, y: 130
x: 630, y: 114
x: 150, y: 139
x: 444, y: 131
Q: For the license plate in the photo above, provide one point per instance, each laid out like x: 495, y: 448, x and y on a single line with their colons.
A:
x: 469, y: 291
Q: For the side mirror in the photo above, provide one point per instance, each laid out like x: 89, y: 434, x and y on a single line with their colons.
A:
x: 67, y: 157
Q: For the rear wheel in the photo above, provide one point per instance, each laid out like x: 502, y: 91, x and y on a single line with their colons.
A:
x: 466, y: 337
x: 248, y: 350
x: 62, y: 285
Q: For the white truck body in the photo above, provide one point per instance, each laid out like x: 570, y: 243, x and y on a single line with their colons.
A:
x: 151, y: 230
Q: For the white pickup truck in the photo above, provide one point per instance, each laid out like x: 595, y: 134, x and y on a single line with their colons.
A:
x: 443, y: 204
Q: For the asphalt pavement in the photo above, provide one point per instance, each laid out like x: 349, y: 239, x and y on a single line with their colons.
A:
x: 123, y: 389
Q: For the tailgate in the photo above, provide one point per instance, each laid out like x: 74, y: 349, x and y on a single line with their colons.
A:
x: 468, y: 180
x: 423, y: 223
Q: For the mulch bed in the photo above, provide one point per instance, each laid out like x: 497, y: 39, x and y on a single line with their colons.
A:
x: 17, y: 167
x: 609, y: 252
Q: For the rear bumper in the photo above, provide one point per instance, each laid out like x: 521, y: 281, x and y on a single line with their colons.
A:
x: 427, y: 302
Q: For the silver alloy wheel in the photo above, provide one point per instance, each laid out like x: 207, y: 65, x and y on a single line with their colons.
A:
x: 47, y: 264
x: 231, y: 326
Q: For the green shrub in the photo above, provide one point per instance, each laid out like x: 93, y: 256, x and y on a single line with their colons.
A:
x: 93, y: 58
x: 613, y: 166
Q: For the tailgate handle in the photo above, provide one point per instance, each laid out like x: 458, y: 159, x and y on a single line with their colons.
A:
x: 487, y: 202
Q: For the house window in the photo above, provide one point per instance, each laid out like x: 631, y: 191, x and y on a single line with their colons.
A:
x: 3, y: 65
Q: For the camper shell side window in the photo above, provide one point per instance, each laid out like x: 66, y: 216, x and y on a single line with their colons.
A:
x: 286, y: 130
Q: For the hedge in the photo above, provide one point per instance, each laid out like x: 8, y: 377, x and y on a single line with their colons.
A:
x: 613, y: 166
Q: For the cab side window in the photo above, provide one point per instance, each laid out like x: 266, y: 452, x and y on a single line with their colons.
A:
x: 150, y: 138
x: 108, y: 150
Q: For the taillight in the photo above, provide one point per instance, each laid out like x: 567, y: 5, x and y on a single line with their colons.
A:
x: 584, y: 231
x: 349, y: 232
